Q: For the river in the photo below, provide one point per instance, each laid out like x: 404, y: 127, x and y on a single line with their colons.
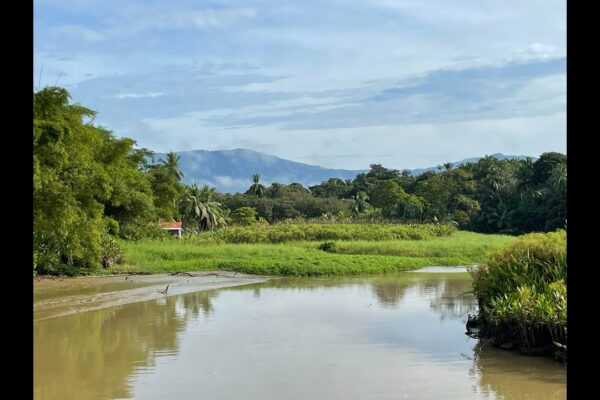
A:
x: 398, y: 336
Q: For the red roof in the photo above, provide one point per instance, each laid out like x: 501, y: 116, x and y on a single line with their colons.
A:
x: 169, y: 225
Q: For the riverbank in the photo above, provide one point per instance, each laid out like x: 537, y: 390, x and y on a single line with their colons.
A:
x: 54, y: 297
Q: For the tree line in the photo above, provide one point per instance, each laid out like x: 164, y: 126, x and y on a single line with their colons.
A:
x: 91, y: 187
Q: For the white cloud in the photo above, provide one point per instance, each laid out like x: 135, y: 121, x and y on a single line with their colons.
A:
x: 297, y: 65
x: 138, y: 95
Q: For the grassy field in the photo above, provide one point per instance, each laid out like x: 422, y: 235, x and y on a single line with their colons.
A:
x: 304, y: 258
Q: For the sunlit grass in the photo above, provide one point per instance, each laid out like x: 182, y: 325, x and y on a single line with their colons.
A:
x: 303, y: 258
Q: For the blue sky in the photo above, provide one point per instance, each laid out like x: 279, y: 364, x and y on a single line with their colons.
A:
x: 338, y: 83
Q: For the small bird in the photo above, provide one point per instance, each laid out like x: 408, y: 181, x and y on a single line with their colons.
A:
x: 166, y: 289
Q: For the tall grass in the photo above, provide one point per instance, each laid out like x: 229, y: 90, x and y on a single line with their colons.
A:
x: 522, y: 294
x: 281, y: 233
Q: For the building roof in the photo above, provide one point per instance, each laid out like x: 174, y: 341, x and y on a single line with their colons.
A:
x: 170, y: 225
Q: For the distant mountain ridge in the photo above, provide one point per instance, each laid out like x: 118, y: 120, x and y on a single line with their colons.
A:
x: 230, y: 171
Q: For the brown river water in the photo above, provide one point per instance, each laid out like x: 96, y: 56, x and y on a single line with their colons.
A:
x: 399, y: 336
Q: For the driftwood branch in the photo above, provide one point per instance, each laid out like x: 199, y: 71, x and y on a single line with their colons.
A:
x: 200, y: 275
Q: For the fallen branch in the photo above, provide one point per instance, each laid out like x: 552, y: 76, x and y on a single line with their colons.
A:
x: 200, y: 275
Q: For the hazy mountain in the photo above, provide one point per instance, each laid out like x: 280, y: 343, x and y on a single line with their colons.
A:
x: 231, y: 170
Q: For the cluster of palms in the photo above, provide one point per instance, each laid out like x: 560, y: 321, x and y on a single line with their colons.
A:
x: 197, y: 209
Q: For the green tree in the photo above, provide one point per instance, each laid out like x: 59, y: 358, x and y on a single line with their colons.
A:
x: 171, y: 164
x: 87, y: 184
x: 199, y: 211
x: 257, y: 189
x: 244, y: 216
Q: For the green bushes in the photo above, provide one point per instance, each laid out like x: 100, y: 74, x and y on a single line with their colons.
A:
x: 244, y: 216
x: 327, y: 246
x: 319, y: 232
x: 111, y: 252
x: 522, y: 293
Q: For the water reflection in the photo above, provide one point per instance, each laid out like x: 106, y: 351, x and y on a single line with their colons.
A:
x: 358, y: 337
x: 91, y: 355
x: 449, y: 294
x: 508, y: 375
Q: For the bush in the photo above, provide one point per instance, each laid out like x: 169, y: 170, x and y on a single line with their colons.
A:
x: 328, y: 247
x: 244, y: 216
x: 521, y: 292
x: 111, y: 252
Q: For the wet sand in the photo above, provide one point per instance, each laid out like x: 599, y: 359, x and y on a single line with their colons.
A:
x: 59, y: 297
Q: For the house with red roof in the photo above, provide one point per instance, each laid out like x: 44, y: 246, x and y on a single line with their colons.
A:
x: 174, y: 227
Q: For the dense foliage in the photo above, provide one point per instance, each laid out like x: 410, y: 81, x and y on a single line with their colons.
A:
x: 492, y: 196
x: 522, y: 293
x: 89, y: 187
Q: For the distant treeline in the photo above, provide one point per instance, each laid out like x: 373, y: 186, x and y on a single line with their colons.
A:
x: 91, y: 187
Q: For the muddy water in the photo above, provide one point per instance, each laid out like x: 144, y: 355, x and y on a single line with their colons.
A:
x: 386, y: 337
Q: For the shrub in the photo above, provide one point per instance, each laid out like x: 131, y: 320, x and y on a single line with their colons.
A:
x: 244, y: 216
x: 521, y: 292
x: 327, y: 246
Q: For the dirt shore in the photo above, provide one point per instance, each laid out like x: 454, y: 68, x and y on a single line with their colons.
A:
x: 54, y: 297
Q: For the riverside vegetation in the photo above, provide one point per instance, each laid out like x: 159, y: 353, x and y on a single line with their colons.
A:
x: 522, y: 295
x: 98, y: 200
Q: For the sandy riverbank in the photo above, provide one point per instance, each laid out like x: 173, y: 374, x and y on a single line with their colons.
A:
x: 59, y: 297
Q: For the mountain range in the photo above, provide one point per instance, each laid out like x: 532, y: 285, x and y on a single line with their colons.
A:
x: 230, y: 171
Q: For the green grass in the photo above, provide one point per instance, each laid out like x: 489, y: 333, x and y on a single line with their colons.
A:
x: 466, y: 246
x: 303, y: 258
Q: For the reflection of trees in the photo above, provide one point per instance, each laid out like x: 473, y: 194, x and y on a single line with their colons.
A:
x: 448, y: 292
x: 389, y: 292
x: 509, y: 375
x: 453, y: 298
x: 92, y: 354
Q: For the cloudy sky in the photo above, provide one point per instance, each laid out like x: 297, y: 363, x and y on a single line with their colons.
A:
x: 338, y: 83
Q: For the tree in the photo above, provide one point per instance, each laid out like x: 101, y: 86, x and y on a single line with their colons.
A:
x: 361, y: 204
x: 244, y: 216
x: 199, y: 211
x: 171, y: 164
x: 257, y: 189
x: 543, y: 166
x: 87, y: 185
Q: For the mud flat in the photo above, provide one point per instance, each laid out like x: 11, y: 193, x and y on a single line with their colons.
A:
x: 55, y: 297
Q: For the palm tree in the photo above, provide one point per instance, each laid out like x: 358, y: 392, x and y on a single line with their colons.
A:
x: 199, y: 209
x: 206, y: 193
x: 448, y: 166
x: 360, y: 202
x: 525, y: 180
x: 172, y: 165
x: 257, y: 188
x: 558, y: 178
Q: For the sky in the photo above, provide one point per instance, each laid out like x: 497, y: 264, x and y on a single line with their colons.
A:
x: 337, y: 83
